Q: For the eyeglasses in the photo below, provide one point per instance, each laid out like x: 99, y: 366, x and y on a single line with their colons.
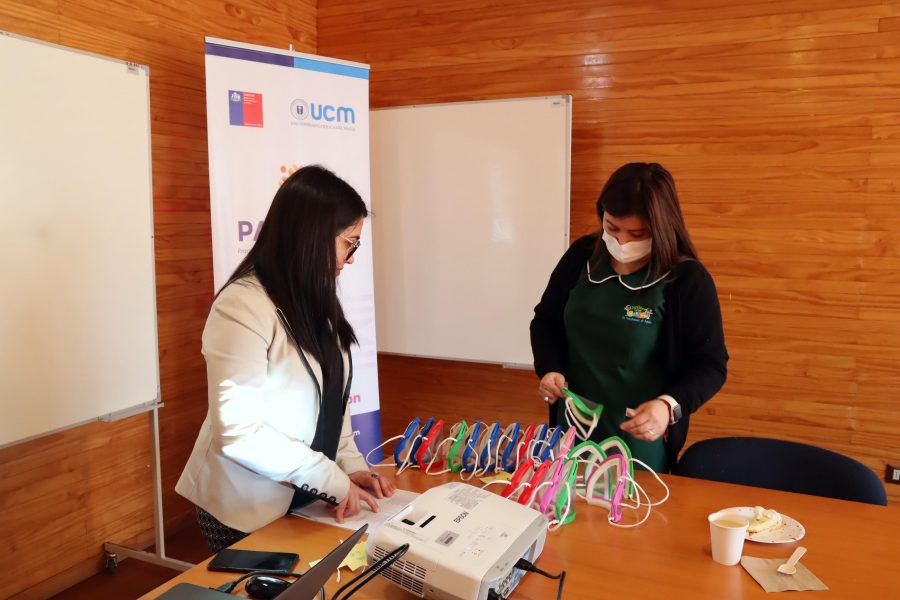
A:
x: 354, y: 245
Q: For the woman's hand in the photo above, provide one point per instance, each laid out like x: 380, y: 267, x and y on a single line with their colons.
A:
x: 551, y: 386
x: 380, y: 485
x: 352, y: 503
x: 648, y: 421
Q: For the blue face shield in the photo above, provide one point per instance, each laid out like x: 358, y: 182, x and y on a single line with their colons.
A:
x: 487, y: 449
x: 506, y: 453
x: 403, y: 451
x: 470, y: 454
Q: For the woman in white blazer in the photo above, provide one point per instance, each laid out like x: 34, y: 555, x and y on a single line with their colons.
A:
x: 277, y: 433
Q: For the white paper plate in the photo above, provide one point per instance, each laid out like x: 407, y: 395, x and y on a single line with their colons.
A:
x: 790, y: 530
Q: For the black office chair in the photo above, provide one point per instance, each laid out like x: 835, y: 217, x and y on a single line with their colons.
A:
x: 782, y: 465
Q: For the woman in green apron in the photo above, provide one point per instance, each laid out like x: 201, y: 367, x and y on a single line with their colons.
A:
x: 630, y: 319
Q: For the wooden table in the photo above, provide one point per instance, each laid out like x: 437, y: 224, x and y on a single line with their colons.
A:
x: 853, y: 548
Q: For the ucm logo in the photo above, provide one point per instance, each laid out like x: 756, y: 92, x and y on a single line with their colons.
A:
x: 301, y: 110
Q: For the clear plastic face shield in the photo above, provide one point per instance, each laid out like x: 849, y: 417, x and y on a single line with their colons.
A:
x: 545, y: 486
x: 429, y: 447
x: 582, y: 414
x: 554, y: 500
x: 557, y: 442
x: 487, y: 449
x: 607, y: 479
x: 402, y: 450
x: 470, y: 464
x: 544, y: 438
x: 563, y: 510
x: 523, y: 446
x: 507, y: 458
x: 446, y: 451
x: 416, y: 446
x: 416, y: 443
x: 524, y: 481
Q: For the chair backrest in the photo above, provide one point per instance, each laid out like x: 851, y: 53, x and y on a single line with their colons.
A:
x: 782, y: 465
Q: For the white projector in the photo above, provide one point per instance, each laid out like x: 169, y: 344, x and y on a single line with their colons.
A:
x: 463, y: 543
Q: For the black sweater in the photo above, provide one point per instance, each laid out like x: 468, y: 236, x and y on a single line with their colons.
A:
x: 693, y: 343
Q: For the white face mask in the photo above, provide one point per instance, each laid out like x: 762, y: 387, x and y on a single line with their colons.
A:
x: 627, y: 253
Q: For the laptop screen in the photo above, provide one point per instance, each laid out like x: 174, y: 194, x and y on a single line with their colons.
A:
x: 305, y: 588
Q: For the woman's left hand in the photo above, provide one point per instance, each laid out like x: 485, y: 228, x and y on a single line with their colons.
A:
x: 648, y: 421
x: 380, y: 485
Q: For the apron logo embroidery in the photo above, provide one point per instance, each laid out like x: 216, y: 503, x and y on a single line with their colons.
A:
x: 638, y: 314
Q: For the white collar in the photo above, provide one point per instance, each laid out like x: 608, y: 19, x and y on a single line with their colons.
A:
x: 619, y: 277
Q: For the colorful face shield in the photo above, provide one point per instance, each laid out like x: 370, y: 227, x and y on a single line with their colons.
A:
x: 428, y: 449
x: 557, y: 477
x: 543, y: 486
x: 447, y: 452
x: 537, y: 477
x: 564, y: 511
x: 523, y: 482
x: 606, y: 485
x: 487, y: 449
x: 456, y: 450
x: 555, y: 444
x: 417, y: 442
x: 589, y: 454
x: 403, y: 449
x: 523, y: 446
x: 616, y: 445
x: 608, y: 480
x: 537, y: 442
x: 565, y: 443
x: 582, y: 414
x: 520, y: 478
x: 404, y: 446
x: 470, y: 453
x: 545, y: 450
x: 506, y: 446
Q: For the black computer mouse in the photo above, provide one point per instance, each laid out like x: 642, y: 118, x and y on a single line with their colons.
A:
x: 264, y: 587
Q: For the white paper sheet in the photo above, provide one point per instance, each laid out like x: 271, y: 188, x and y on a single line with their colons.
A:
x: 387, y: 508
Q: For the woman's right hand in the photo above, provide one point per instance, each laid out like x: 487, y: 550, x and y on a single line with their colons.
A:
x: 551, y: 386
x: 352, y: 503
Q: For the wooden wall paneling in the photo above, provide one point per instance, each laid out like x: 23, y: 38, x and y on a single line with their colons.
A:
x: 67, y: 493
x: 779, y: 121
x: 454, y: 391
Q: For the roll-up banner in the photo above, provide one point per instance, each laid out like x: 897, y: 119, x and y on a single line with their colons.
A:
x: 270, y: 112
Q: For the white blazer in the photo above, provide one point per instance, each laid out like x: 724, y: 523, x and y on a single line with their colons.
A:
x: 263, y: 407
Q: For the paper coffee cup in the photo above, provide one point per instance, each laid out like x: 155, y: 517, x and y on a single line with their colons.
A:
x: 727, y: 530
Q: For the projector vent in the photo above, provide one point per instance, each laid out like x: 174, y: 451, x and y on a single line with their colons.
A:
x: 404, y: 573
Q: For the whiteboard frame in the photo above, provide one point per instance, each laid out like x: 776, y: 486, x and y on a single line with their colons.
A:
x: 567, y: 192
x: 153, y: 403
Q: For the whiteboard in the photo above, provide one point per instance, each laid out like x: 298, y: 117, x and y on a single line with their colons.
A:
x: 78, y: 307
x: 470, y: 207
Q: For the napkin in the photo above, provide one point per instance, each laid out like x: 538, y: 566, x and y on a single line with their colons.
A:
x: 501, y: 476
x: 765, y: 572
x: 354, y: 560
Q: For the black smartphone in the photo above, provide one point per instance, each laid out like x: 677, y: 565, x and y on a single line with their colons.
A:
x: 244, y: 561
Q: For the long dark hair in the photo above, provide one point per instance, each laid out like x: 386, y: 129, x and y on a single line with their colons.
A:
x: 648, y: 191
x: 294, y: 259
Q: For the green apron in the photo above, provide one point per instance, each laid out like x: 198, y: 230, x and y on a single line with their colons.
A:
x: 613, y: 357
